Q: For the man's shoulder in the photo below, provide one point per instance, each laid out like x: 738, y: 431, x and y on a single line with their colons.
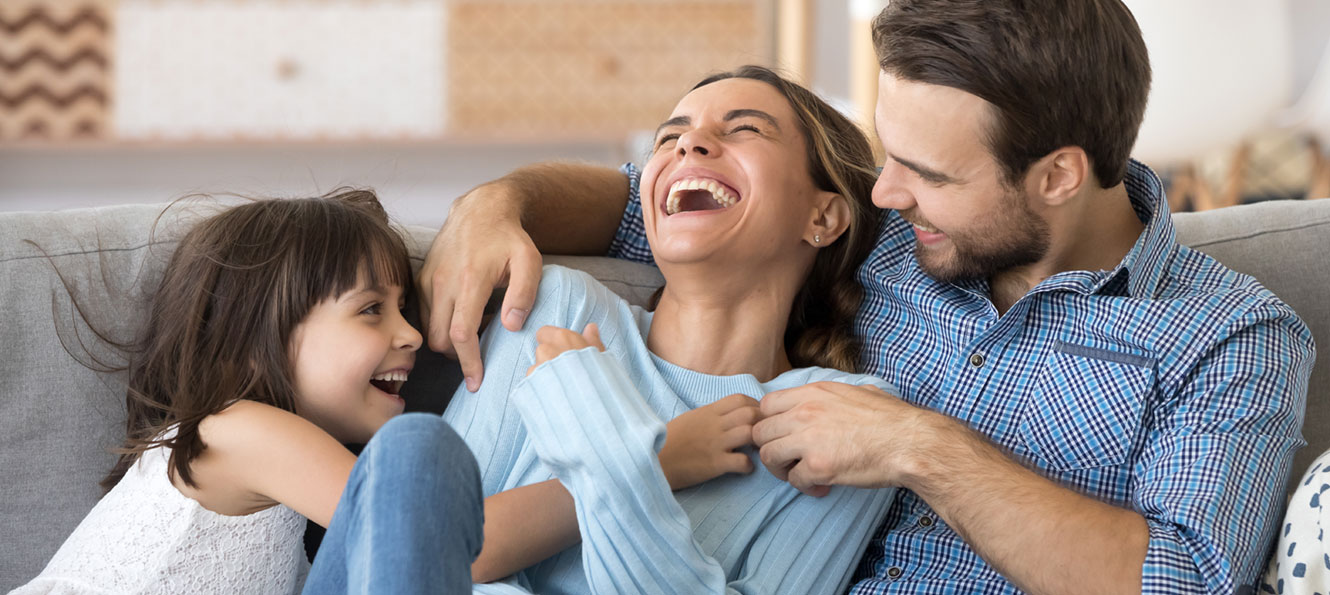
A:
x: 1196, y: 278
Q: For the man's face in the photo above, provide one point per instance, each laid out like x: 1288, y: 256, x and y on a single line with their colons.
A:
x: 941, y: 177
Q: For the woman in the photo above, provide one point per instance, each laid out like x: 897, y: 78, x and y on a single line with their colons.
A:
x: 756, y: 205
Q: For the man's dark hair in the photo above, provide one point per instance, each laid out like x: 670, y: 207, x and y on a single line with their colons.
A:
x: 1057, y: 72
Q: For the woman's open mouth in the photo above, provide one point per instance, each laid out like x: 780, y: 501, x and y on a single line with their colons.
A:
x: 699, y: 194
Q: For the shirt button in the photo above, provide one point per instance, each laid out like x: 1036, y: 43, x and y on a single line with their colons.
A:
x: 977, y: 360
x: 894, y: 572
x: 925, y: 522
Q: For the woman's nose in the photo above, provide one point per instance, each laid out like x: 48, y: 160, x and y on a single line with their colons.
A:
x: 696, y: 141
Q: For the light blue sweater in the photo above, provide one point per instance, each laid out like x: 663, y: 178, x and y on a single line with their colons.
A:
x: 596, y: 420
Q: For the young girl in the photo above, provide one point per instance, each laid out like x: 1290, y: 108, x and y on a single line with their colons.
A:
x: 275, y: 337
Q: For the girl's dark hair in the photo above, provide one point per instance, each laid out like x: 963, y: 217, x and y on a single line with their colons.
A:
x: 840, y: 159
x: 235, y: 288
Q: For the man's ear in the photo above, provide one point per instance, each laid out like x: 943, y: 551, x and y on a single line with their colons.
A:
x: 1060, y: 175
x: 830, y: 220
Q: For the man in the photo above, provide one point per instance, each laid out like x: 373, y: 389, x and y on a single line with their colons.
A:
x: 1086, y: 405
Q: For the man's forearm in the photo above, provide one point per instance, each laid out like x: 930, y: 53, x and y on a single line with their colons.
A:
x: 1043, y: 537
x: 566, y: 208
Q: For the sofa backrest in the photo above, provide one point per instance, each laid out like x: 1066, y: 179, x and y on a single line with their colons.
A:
x: 58, y: 418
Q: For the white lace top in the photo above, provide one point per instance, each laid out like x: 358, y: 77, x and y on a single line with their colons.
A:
x: 146, y: 537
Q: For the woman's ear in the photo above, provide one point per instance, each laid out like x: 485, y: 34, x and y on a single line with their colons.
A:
x: 830, y: 220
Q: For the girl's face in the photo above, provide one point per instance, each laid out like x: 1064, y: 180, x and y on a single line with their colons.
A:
x: 729, y: 177
x: 351, y: 355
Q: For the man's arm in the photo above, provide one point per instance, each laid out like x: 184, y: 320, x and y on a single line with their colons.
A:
x: 1042, y: 537
x: 494, y: 236
x: 1204, y: 490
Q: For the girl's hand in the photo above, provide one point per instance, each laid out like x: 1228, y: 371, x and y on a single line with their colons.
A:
x: 701, y: 444
x: 552, y: 341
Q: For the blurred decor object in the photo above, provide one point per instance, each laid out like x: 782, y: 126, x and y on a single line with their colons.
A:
x: 864, y: 67
x: 590, y: 69
x: 275, y: 70
x: 1311, y: 114
x: 54, y: 70
x: 1222, y: 70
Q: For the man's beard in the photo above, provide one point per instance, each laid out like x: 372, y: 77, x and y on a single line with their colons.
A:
x: 1014, y: 236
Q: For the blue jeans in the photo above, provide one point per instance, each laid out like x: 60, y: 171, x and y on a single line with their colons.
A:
x: 411, y: 518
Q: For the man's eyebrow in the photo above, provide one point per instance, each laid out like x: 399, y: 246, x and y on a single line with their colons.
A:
x: 924, y: 172
x: 675, y: 121
x: 752, y: 113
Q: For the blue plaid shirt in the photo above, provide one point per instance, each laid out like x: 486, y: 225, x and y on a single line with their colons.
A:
x: 1170, y: 385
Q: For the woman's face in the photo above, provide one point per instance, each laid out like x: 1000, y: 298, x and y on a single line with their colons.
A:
x: 728, y: 178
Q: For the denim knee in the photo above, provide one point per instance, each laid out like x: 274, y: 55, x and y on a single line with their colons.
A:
x: 431, y: 454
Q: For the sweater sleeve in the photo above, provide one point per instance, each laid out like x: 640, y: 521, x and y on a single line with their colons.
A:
x: 591, y: 426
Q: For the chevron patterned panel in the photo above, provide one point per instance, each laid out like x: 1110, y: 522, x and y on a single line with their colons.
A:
x: 596, y: 69
x: 55, y: 71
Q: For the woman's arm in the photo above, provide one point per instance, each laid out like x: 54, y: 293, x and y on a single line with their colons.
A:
x: 528, y: 524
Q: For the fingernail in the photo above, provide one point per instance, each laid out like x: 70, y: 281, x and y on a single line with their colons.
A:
x: 516, y: 317
x: 471, y: 384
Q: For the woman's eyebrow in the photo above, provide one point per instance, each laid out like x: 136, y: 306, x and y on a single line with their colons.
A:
x: 752, y: 113
x: 675, y: 121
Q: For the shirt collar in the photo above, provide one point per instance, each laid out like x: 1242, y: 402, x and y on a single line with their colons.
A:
x: 1145, y: 263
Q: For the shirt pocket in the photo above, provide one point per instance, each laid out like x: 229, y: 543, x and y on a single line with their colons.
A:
x: 1085, y: 409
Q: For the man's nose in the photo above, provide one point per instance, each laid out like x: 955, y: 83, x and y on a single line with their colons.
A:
x: 889, y: 191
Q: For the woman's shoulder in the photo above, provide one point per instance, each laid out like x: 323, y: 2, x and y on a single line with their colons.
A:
x: 802, y: 376
x: 568, y: 296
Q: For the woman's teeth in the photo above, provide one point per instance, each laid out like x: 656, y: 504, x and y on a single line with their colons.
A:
x: 720, y: 194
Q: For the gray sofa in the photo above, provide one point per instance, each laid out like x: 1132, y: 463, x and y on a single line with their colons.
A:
x: 58, y: 417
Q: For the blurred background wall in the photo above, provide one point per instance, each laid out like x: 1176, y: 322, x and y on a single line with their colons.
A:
x: 131, y: 101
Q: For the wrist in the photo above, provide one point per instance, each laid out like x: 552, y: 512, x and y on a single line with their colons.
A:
x: 932, y: 452
x: 497, y: 201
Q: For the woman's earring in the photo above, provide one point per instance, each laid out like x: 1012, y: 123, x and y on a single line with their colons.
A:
x: 817, y: 239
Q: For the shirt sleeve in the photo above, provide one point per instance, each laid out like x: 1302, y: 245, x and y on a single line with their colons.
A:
x: 591, y: 426
x: 1213, y: 476
x: 630, y: 240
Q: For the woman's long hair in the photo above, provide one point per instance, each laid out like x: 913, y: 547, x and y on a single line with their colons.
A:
x: 840, y: 159
x: 236, y: 287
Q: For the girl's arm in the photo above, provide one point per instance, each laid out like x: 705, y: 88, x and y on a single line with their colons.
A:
x: 258, y: 455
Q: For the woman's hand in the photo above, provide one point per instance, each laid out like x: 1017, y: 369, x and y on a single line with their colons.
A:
x: 552, y: 341
x: 702, y: 444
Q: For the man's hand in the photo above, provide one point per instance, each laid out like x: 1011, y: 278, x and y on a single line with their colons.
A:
x: 830, y: 433
x: 702, y: 444
x: 482, y: 246
x: 551, y: 341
